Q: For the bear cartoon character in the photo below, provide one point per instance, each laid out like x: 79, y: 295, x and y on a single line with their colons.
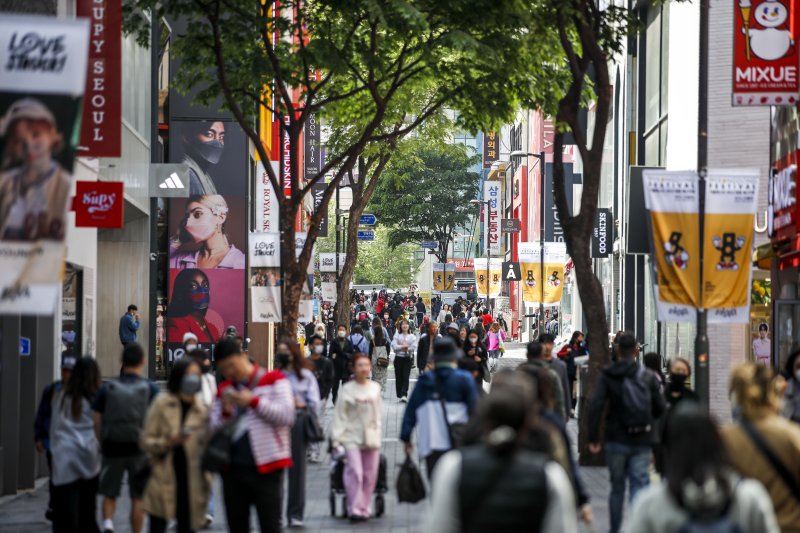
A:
x: 675, y: 253
x: 773, y: 40
x: 529, y: 280
x: 554, y: 281
x: 727, y: 246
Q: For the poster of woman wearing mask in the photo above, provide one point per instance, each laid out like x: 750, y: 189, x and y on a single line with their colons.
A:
x: 216, y: 153
x: 207, y: 232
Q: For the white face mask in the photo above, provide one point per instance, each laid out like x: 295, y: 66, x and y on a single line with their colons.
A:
x: 190, y: 347
x: 341, y: 334
x: 318, y: 349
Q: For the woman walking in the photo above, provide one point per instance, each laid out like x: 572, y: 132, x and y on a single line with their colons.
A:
x: 494, y: 343
x: 76, y: 452
x: 379, y: 349
x: 174, y: 437
x: 356, y: 432
x: 475, y: 350
x: 404, y: 345
x: 425, y: 347
x: 290, y: 361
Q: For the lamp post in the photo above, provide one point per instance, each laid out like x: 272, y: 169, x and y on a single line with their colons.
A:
x: 540, y: 157
x: 488, y: 253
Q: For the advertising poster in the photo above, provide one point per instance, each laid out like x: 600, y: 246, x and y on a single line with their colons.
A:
x: 328, y: 286
x: 438, y: 277
x: 672, y: 201
x: 494, y: 280
x: 449, y: 276
x: 531, y: 270
x: 555, y: 256
x: 327, y: 262
x: 44, y: 63
x: 491, y: 217
x: 265, y: 276
x: 209, y: 232
x: 267, y: 204
x: 216, y: 153
x: 201, y: 301
x: 765, y: 57
x: 731, y: 200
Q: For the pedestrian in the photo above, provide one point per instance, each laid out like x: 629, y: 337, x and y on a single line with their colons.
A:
x: 436, y: 306
x: 441, y: 403
x: 76, y: 451
x: 263, y: 403
x: 388, y: 324
x: 174, y: 437
x: 473, y: 320
x: 677, y: 388
x: 356, y: 435
x: 41, y: 424
x: 190, y: 343
x: 791, y: 397
x: 208, y: 391
x: 652, y: 362
x: 486, y: 318
x: 451, y: 330
x: 536, y: 360
x: 419, y: 308
x: 480, y: 330
x: 547, y: 341
x: 341, y: 352
x: 475, y: 350
x: 324, y: 374
x: 129, y: 325
x: 120, y: 408
x: 441, y: 318
x: 404, y: 345
x: 290, y: 361
x: 425, y: 347
x: 701, y: 487
x: 357, y: 339
x: 498, y: 484
x: 628, y: 399
x: 494, y: 343
x: 763, y: 445
x: 575, y: 348
x: 380, y: 349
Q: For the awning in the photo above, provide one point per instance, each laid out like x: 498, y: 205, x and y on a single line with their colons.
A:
x: 763, y: 256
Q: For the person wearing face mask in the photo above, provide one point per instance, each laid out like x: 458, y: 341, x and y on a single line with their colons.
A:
x: 305, y: 389
x: 341, y: 352
x: 388, y: 324
x: 323, y: 371
x: 790, y: 408
x: 208, y: 391
x: 677, y: 388
x: 204, y: 144
x: 404, y: 345
x: 475, y: 350
x: 191, y: 297
x: 33, y: 195
x: 201, y: 241
x: 174, y: 438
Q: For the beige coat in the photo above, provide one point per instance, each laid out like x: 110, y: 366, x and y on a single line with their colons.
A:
x: 164, y: 421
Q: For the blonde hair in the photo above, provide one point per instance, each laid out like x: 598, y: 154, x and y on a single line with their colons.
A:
x: 495, y: 327
x: 754, y: 389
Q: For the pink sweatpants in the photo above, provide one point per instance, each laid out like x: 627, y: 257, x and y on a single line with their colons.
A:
x: 360, y: 475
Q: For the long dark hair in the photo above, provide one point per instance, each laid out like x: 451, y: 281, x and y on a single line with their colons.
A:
x: 377, y: 335
x: 298, y: 362
x: 178, y: 371
x: 181, y: 287
x: 83, y: 384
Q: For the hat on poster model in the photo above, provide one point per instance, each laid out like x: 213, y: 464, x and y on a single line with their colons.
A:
x: 444, y: 350
x: 28, y: 108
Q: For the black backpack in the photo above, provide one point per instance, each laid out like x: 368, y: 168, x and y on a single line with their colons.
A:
x: 637, y: 403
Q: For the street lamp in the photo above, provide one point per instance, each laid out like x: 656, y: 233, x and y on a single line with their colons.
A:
x: 540, y: 157
x: 488, y: 252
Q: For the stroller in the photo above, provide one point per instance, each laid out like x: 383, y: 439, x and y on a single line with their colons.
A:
x: 337, y: 487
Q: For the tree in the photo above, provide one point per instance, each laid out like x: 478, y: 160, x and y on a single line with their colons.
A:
x: 378, y: 262
x: 350, y: 62
x: 426, y: 197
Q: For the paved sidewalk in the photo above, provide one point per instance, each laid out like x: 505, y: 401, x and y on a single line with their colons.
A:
x: 25, y: 513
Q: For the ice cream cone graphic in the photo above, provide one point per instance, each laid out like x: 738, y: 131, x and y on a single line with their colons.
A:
x: 744, y: 7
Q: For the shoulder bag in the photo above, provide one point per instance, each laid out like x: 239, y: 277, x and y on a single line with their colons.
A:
x: 454, y: 431
x: 772, y: 458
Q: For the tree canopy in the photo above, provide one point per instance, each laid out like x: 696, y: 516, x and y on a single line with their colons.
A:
x: 380, y: 263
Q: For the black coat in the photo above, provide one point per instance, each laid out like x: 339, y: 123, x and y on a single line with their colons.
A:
x: 422, y: 351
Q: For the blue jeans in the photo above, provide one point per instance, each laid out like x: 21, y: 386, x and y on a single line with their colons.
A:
x: 625, y: 461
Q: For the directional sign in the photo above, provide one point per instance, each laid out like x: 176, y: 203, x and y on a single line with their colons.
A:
x: 430, y: 244
x: 366, y: 235
x: 509, y: 225
x: 24, y: 346
x: 511, y: 271
x: 368, y: 219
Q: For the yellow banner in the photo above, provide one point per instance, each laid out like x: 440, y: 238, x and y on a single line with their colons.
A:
x: 492, y: 285
x: 449, y: 276
x: 438, y: 277
x: 531, y: 290
x: 676, y: 251
x: 726, y: 268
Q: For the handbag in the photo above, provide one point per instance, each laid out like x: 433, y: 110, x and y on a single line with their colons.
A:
x: 454, y: 431
x: 217, y: 455
x: 410, y: 487
x: 381, y: 356
x: 312, y: 428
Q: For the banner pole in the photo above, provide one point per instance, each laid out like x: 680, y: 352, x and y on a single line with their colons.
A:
x: 541, y: 242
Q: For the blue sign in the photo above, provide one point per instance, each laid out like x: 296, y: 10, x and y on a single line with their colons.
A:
x: 366, y: 235
x: 368, y: 219
x: 430, y: 244
x: 24, y: 346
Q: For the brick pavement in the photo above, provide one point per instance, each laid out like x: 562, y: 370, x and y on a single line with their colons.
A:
x: 25, y: 512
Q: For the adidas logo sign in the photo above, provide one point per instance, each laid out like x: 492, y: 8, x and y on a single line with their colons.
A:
x: 172, y: 182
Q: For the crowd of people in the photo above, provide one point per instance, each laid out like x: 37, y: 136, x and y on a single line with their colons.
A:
x: 498, y: 460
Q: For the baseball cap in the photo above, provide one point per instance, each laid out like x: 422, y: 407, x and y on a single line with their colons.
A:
x: 29, y: 108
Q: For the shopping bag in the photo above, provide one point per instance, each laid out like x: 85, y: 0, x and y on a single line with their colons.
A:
x: 410, y: 487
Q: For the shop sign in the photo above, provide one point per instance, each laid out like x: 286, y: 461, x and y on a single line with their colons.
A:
x: 491, y: 194
x: 99, y: 204
x: 765, y: 58
x: 464, y: 265
x: 311, y: 147
x: 491, y: 148
x: 602, y: 235
x: 783, y: 202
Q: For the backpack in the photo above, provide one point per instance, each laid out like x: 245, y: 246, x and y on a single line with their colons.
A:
x: 637, y: 402
x: 125, y: 410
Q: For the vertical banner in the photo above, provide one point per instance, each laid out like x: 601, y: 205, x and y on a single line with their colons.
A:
x: 306, y: 309
x: 44, y: 63
x: 731, y: 199
x: 494, y: 279
x: 530, y: 262
x: 101, y: 125
x: 267, y: 204
x: 765, y: 58
x: 672, y: 201
x: 449, y: 276
x: 555, y: 256
x: 491, y: 194
x: 318, y: 191
x: 438, y: 277
x: 491, y: 148
x: 327, y: 262
x: 311, y: 147
x: 602, y: 234
x: 265, y: 276
x: 328, y: 286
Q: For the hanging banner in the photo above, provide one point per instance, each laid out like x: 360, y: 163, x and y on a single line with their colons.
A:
x: 672, y: 200
x: 306, y: 308
x: 265, y: 276
x: 267, y: 204
x: 44, y: 64
x: 531, y: 271
x: 491, y: 148
x: 328, y: 286
x: 494, y: 280
x: 731, y: 200
x: 602, y: 234
x: 555, y: 255
x: 327, y: 262
x: 449, y: 276
x: 765, y: 58
x: 101, y: 125
x: 491, y: 217
x: 438, y: 277
x: 311, y: 147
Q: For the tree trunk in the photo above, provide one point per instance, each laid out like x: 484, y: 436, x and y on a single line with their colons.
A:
x: 293, y: 275
x: 349, y: 268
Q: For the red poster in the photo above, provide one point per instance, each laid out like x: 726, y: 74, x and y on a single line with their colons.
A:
x: 99, y: 204
x: 101, y: 126
x: 765, y: 54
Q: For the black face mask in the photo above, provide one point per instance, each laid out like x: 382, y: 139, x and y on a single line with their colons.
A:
x: 283, y: 358
x: 678, y: 381
x: 211, y: 151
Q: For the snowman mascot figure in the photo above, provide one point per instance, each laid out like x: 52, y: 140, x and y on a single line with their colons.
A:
x: 773, y: 40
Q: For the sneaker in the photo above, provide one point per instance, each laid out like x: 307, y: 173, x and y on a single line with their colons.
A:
x: 295, y: 522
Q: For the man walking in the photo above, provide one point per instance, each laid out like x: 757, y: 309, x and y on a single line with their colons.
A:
x: 419, y: 306
x: 263, y: 405
x: 634, y: 401
x: 441, y: 403
x: 129, y: 325
x: 119, y: 412
x: 537, y: 360
x: 547, y: 341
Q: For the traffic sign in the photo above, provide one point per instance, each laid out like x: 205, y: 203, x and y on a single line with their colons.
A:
x: 509, y: 225
x: 368, y: 219
x: 366, y: 235
x: 430, y: 244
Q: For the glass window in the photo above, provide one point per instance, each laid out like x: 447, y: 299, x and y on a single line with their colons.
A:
x: 654, y: 103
